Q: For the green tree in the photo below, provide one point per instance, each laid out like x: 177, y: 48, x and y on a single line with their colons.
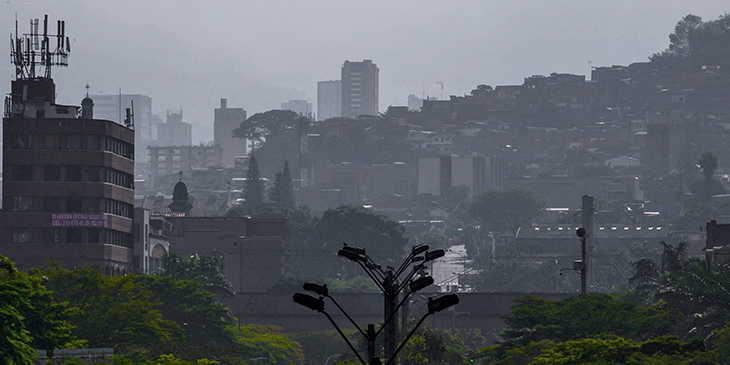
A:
x: 382, y: 237
x: 268, y: 342
x: 535, y: 319
x: 261, y: 127
x: 508, y: 209
x: 15, y: 338
x: 201, y: 324
x: 204, y: 270
x: 695, y: 43
x: 282, y: 194
x: 110, y: 311
x: 688, y: 284
x: 253, y: 189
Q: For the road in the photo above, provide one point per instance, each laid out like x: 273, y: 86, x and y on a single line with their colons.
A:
x: 446, y: 270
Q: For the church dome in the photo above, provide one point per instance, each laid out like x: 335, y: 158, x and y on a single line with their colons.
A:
x: 180, y: 192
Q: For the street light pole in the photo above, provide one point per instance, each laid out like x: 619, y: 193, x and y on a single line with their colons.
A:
x: 389, y: 284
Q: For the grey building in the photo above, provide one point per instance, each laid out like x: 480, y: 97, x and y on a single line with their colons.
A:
x: 225, y: 121
x: 174, y: 132
x: 359, y: 89
x: 329, y: 99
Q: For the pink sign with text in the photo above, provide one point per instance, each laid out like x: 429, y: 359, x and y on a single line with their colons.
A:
x: 88, y: 220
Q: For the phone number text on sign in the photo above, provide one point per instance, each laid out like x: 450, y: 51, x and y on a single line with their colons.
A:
x: 79, y: 220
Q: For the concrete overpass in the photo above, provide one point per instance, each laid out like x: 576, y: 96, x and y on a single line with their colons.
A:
x: 475, y: 310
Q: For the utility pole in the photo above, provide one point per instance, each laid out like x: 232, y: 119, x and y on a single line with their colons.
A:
x: 391, y: 328
x: 586, y: 240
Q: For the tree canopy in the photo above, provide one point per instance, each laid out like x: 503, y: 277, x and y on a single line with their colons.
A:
x: 382, y: 237
x: 507, y: 209
x: 535, y: 319
x: 696, y: 43
x: 254, y: 191
x: 281, y: 194
x: 261, y: 127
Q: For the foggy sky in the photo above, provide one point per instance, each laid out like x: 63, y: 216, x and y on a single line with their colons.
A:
x: 258, y: 54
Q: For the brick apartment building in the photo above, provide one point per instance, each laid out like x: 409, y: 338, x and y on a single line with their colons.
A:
x: 68, y: 190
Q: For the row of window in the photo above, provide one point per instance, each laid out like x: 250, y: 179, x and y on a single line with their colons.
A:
x: 21, y: 141
x: 70, y: 204
x: 72, y: 235
x: 73, y: 173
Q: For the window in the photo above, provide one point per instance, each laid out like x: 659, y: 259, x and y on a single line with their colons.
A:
x: 93, y: 173
x: 73, y: 205
x: 20, y: 141
x: 93, y: 143
x: 94, y: 235
x: 52, y: 173
x: 22, y: 173
x: 21, y: 235
x: 51, y: 235
x: 92, y: 205
x: 74, y: 235
x: 52, y: 204
x: 51, y: 142
x: 73, y: 142
x: 161, y: 158
x: 22, y: 204
x: 73, y: 173
x: 176, y: 158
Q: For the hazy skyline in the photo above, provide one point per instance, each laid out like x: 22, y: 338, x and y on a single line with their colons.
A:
x: 259, y: 54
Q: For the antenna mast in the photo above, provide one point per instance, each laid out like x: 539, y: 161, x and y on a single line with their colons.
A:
x: 31, y: 52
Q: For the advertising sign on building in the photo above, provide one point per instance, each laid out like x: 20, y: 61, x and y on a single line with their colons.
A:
x: 88, y: 220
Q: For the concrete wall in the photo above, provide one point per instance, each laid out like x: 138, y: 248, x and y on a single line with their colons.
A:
x: 475, y: 310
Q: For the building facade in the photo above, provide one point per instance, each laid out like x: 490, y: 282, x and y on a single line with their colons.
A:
x: 329, y: 99
x: 173, y: 159
x: 359, y: 89
x: 113, y: 107
x: 437, y: 174
x: 68, y: 183
x: 174, y: 132
x: 301, y: 107
x: 225, y: 121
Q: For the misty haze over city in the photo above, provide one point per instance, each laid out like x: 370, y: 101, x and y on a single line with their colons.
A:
x: 374, y: 182
x: 259, y: 54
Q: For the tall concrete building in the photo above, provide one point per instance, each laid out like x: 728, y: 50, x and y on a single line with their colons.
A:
x: 174, y: 132
x: 359, y: 89
x: 437, y: 174
x: 113, y: 107
x: 68, y: 190
x: 329, y: 99
x: 225, y: 121
x: 301, y: 107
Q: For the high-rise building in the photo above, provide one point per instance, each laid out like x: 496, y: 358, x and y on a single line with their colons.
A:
x: 301, y: 107
x: 329, y: 99
x: 359, y: 89
x: 174, y: 132
x: 225, y: 121
x: 114, y: 108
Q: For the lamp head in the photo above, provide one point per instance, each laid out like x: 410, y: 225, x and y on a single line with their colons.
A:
x: 433, y: 255
x: 309, y: 301
x: 421, y: 283
x: 358, y: 250
x: 348, y: 254
x: 580, y: 232
x: 317, y: 289
x: 442, y: 302
x: 417, y: 249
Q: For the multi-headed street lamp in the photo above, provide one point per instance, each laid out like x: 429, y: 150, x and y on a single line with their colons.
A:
x: 388, y: 282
